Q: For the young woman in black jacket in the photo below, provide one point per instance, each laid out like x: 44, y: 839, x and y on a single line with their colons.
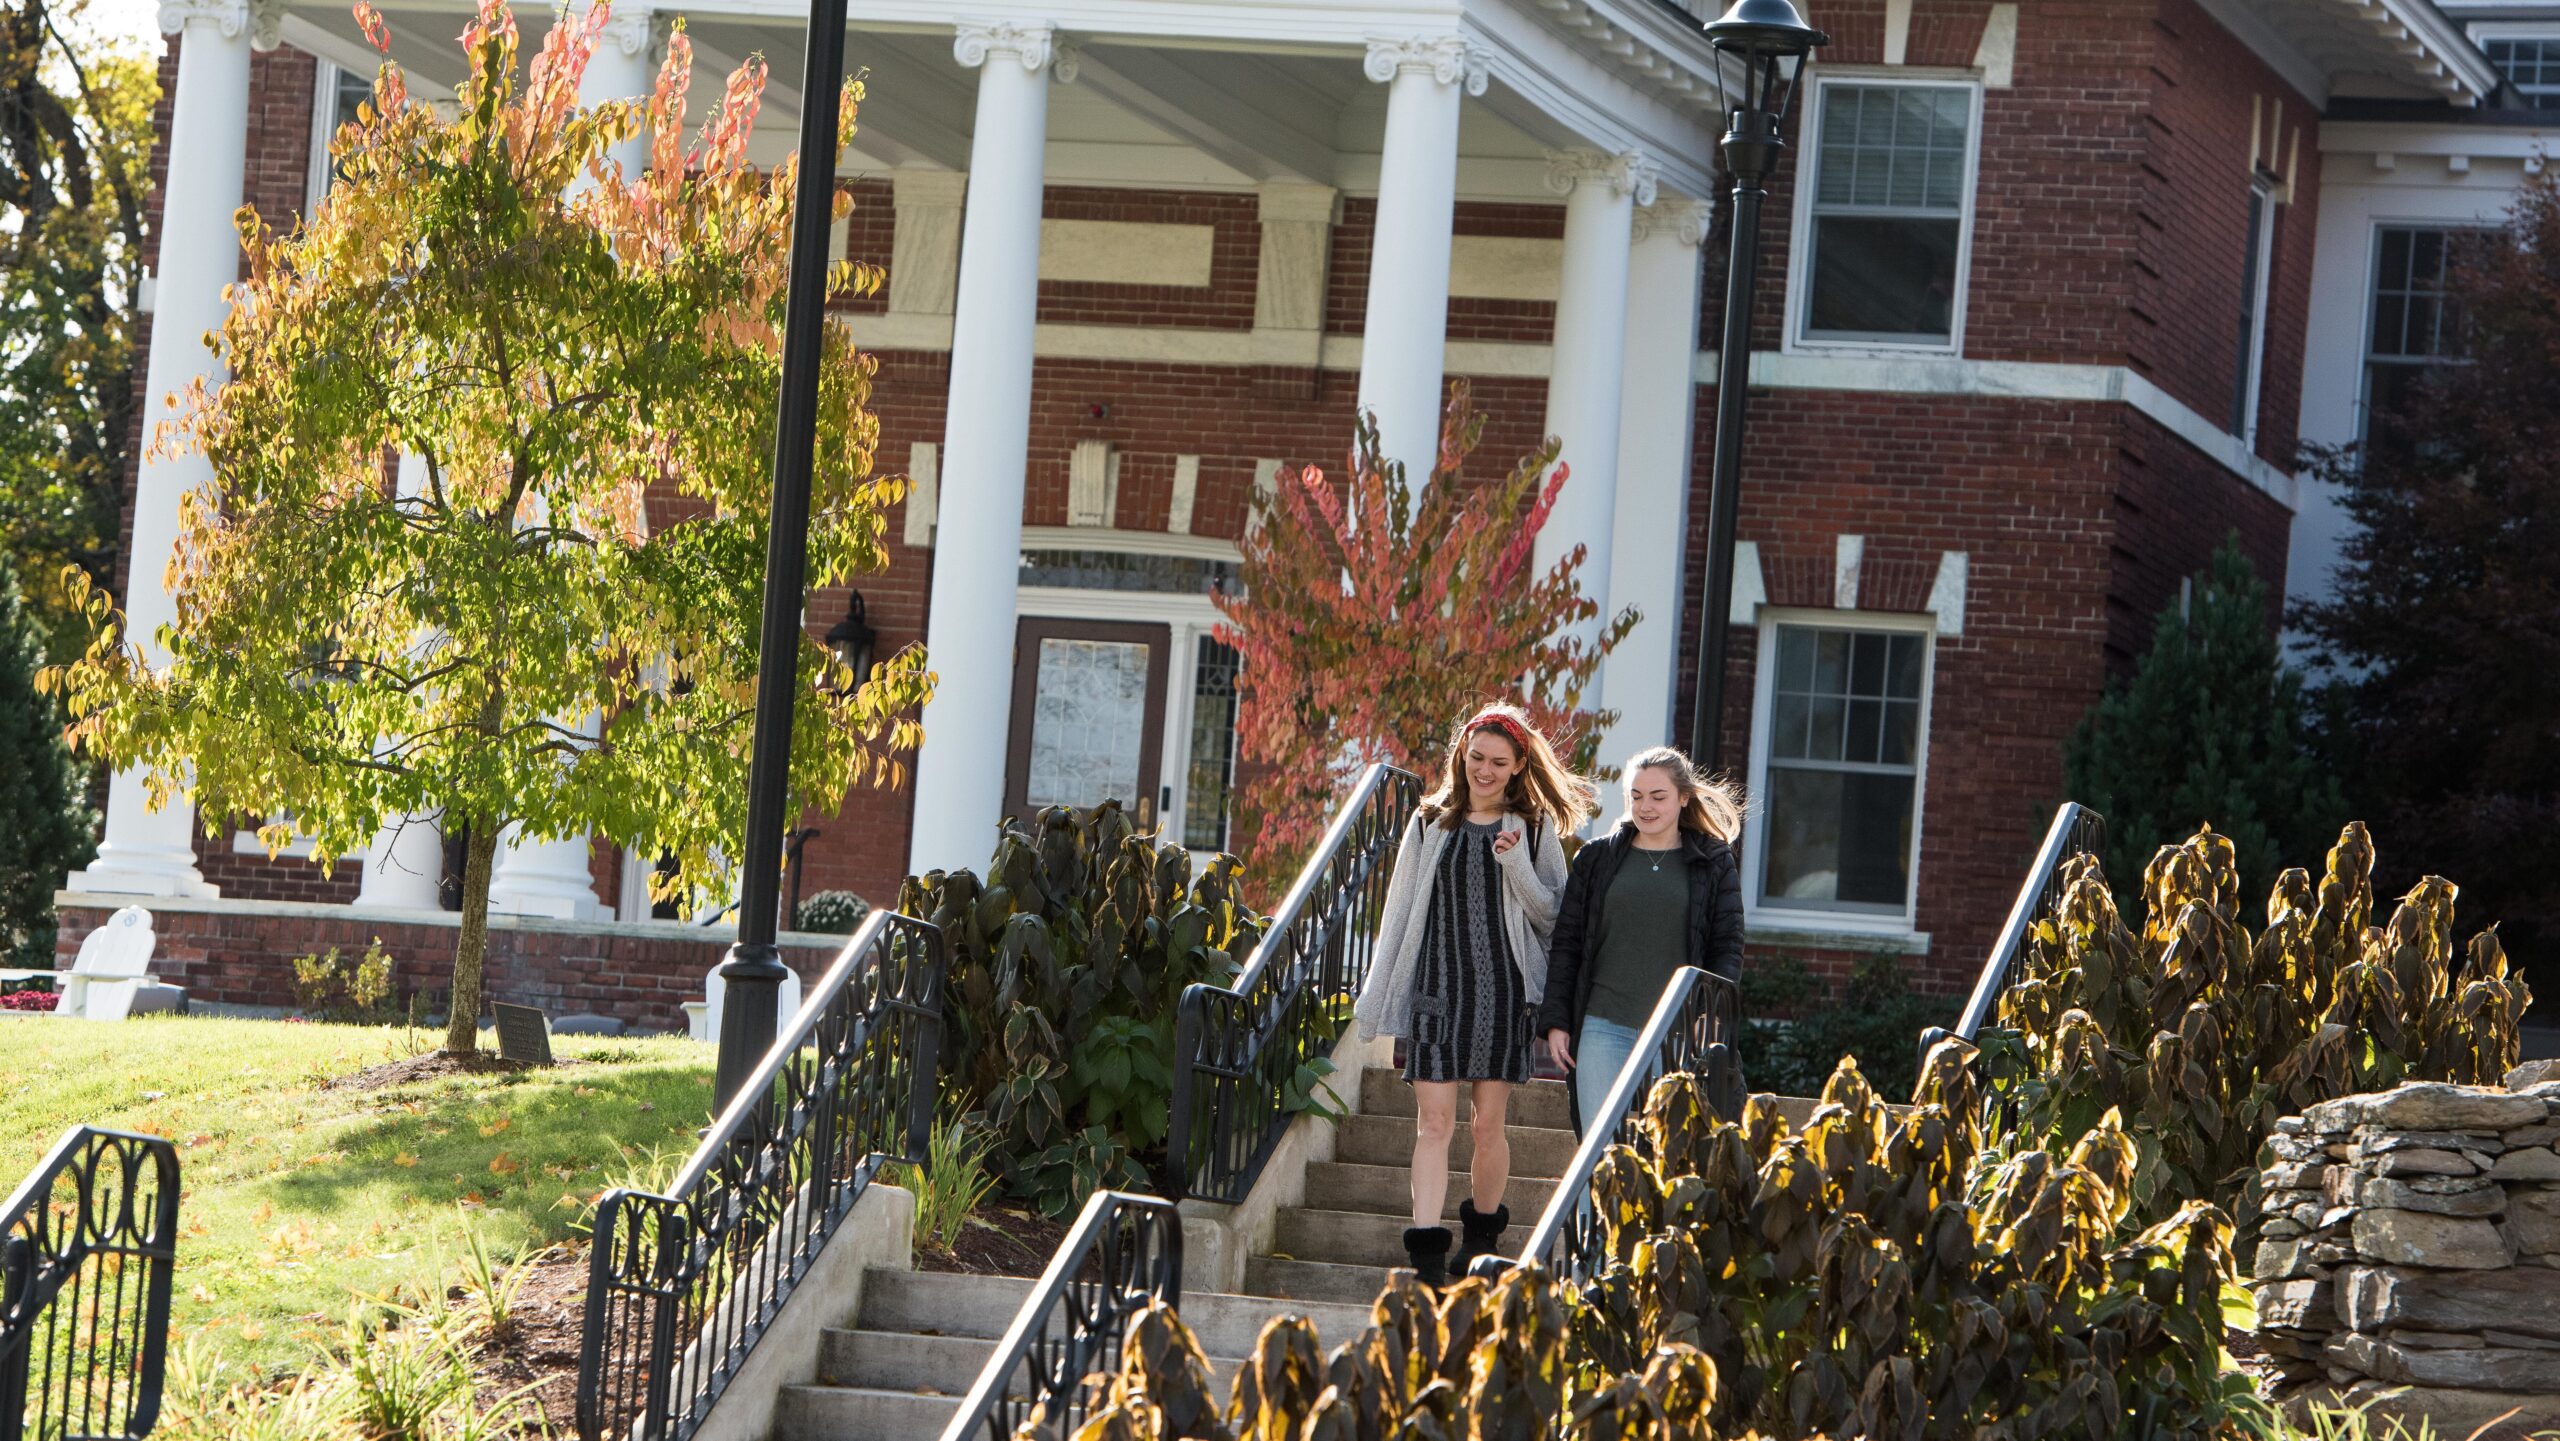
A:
x: 1661, y: 892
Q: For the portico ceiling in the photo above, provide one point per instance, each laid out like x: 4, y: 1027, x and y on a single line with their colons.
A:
x: 1207, y: 110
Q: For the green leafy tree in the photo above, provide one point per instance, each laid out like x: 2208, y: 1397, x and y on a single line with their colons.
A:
x: 2443, y: 630
x: 44, y: 825
x: 586, y: 376
x: 1374, y: 611
x: 75, y: 156
x: 2209, y: 730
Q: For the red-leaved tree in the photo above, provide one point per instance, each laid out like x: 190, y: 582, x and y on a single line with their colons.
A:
x: 1374, y: 613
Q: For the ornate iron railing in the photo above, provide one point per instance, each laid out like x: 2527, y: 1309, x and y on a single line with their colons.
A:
x: 1125, y: 1251
x: 2076, y: 831
x: 1693, y: 1028
x: 87, y: 1247
x: 1239, y: 1051
x: 682, y: 1286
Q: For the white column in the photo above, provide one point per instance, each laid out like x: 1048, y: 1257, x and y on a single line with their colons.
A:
x: 145, y: 851
x: 624, y: 67
x: 1654, y: 462
x: 986, y: 441
x: 1404, y: 331
x: 1583, y: 379
x: 404, y: 863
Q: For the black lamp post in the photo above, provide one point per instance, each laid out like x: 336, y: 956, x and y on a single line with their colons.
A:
x: 753, y: 971
x: 1765, y: 42
x: 852, y: 640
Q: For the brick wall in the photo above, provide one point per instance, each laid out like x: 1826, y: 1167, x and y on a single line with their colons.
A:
x: 1471, y: 317
x: 243, y: 955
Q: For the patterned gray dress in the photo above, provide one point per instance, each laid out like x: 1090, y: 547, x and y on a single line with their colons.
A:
x: 1470, y: 1013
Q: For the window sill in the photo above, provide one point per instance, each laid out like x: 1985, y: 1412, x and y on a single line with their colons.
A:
x: 1760, y: 930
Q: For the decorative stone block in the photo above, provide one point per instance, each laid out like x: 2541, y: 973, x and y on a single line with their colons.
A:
x: 2423, y: 1238
x: 2539, y: 1164
x: 2436, y: 1106
x: 2445, y: 1196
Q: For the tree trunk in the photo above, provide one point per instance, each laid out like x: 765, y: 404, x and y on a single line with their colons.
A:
x: 471, y: 944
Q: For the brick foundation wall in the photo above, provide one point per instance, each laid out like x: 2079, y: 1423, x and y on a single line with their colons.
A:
x: 242, y: 954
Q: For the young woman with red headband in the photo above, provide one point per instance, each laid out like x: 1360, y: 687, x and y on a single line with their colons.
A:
x: 1462, y: 959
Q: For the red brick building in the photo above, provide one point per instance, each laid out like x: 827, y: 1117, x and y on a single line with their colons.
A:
x: 2030, y: 344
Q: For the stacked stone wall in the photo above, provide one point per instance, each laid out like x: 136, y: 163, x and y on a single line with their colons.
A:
x: 2411, y: 1255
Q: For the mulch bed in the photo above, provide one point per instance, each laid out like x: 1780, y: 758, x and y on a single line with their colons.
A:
x: 998, y: 1241
x: 540, y: 1349
x: 433, y: 1065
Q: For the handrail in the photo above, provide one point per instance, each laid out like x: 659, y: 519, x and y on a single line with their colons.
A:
x: 1124, y: 1252
x: 1693, y: 1028
x: 1237, y: 1049
x: 682, y: 1286
x: 100, y: 1202
x: 2076, y: 830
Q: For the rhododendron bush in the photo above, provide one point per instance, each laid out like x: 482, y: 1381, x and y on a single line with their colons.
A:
x: 1375, y: 611
x: 486, y: 530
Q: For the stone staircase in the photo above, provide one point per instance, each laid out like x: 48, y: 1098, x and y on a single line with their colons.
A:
x: 1339, y: 1246
x: 919, y: 1339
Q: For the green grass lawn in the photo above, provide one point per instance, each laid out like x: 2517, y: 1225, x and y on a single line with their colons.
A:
x: 299, y: 1202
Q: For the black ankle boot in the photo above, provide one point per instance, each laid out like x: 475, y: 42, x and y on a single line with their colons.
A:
x: 1483, y: 1235
x: 1428, y: 1247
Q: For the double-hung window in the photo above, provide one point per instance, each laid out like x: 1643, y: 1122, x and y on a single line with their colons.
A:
x: 2416, y: 322
x: 2257, y: 256
x: 2531, y: 63
x: 1840, y: 732
x: 336, y: 94
x: 1884, y: 212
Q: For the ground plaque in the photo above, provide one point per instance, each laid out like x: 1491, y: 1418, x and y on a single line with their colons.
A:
x: 524, y: 1034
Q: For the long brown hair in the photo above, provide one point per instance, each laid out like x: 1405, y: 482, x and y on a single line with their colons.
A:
x: 1544, y: 788
x: 1710, y: 805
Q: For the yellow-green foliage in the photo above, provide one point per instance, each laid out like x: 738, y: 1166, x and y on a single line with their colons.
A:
x: 1889, y: 1278
x: 2203, y: 1034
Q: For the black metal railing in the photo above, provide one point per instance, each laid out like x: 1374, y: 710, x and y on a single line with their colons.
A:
x: 2076, y: 831
x: 682, y: 1286
x: 1693, y: 1028
x: 1057, y: 1356
x: 1240, y: 1051
x: 87, y: 1247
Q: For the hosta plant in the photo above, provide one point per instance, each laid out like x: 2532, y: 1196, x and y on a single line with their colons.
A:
x: 1068, y: 960
x: 2202, y: 1033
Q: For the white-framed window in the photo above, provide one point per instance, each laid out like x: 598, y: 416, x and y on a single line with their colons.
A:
x: 335, y: 94
x: 2413, y: 322
x: 2258, y: 258
x: 1884, y: 213
x: 2529, y: 57
x: 1839, y: 745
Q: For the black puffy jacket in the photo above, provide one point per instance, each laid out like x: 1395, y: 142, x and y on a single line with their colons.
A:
x: 1715, y: 920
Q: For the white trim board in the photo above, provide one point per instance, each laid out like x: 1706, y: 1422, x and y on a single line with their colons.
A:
x: 2016, y: 380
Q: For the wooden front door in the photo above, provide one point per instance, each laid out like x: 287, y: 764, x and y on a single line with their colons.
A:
x: 1088, y: 716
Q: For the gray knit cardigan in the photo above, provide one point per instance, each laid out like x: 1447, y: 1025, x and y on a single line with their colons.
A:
x: 1530, y: 890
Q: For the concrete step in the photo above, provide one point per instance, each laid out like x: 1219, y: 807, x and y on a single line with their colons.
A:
x: 1313, y: 1281
x: 859, y: 1413
x: 1387, y: 1191
x: 936, y: 1303
x: 945, y: 1365
x: 1361, y: 1239
x: 1229, y: 1325
x: 1536, y: 1151
x: 1385, y: 1092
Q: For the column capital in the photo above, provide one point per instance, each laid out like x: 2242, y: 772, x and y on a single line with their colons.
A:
x: 1627, y: 172
x: 1449, y: 59
x: 634, y: 30
x: 229, y: 16
x: 974, y: 42
x: 1678, y: 216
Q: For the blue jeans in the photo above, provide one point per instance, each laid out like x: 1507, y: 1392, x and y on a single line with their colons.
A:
x: 1598, y: 1056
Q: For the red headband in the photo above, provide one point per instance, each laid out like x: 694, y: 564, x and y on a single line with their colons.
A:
x: 1498, y: 720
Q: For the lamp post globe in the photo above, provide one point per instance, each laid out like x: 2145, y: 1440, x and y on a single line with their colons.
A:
x: 1761, y: 47
x: 852, y: 640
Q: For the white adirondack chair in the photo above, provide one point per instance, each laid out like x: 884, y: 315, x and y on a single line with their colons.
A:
x: 110, y: 968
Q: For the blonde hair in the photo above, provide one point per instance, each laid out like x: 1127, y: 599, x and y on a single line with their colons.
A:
x: 1708, y: 804
x: 1543, y: 788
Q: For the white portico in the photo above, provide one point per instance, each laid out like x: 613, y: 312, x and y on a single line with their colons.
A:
x: 976, y: 117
